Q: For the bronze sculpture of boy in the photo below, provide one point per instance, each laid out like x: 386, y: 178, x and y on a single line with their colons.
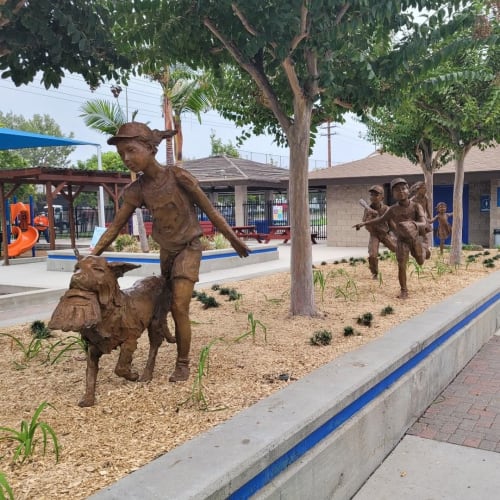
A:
x: 407, y: 219
x: 170, y: 193
x: 379, y: 233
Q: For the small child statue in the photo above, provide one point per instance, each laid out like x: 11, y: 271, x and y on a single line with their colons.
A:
x: 443, y: 230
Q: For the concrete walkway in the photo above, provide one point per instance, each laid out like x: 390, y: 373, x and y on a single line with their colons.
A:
x: 452, y: 450
x: 35, y: 274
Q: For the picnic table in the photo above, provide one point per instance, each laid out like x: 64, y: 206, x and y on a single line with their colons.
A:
x: 284, y: 233
x: 245, y: 232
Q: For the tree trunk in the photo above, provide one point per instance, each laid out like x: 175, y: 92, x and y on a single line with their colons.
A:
x: 169, y: 125
x: 302, y: 287
x: 429, y: 182
x: 456, y: 230
x: 143, y: 239
x: 179, y: 139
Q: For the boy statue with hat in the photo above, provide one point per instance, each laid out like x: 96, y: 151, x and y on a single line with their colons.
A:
x: 407, y: 219
x: 170, y: 194
x: 379, y: 233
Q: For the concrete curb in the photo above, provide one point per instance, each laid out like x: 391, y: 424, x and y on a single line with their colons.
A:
x: 212, y: 260
x: 28, y: 298
x: 324, y: 435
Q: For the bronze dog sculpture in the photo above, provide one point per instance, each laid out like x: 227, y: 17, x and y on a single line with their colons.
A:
x: 108, y: 317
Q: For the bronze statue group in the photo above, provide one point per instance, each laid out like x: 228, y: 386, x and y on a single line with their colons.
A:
x: 404, y: 227
x: 107, y: 316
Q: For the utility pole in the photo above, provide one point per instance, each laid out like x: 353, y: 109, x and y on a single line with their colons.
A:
x: 329, y: 134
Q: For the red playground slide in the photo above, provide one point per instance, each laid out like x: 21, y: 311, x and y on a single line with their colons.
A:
x: 25, y: 236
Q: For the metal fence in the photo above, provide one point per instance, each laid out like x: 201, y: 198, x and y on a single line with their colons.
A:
x: 258, y: 214
x: 272, y: 213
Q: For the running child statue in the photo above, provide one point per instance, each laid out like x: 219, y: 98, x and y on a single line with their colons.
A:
x: 407, y: 219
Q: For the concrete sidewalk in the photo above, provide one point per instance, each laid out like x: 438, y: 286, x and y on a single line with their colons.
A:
x: 452, y: 451
x: 35, y: 274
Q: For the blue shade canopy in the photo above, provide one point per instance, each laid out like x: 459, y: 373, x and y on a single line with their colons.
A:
x: 19, y: 139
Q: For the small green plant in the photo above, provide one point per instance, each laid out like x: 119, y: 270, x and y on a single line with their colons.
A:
x: 365, y: 319
x: 154, y: 246
x: 26, y: 435
x: 220, y: 241
x: 215, y: 287
x: 489, y: 263
x: 387, y: 310
x: 5, y: 489
x: 441, y: 267
x: 30, y: 350
x: 39, y: 330
x: 234, y: 295
x: 274, y: 300
x: 126, y: 243
x: 348, y: 290
x: 71, y: 343
x: 205, y: 299
x: 348, y: 330
x: 209, y: 302
x: 417, y: 268
x: 321, y: 337
x: 253, y: 324
x: 320, y: 279
x: 198, y: 388
x: 471, y: 258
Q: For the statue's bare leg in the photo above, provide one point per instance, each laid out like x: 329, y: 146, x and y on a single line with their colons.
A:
x: 182, y: 291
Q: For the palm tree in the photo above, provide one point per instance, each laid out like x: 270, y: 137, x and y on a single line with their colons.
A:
x: 104, y: 116
x: 184, y: 90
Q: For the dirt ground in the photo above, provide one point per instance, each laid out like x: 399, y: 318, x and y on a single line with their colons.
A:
x: 132, y: 423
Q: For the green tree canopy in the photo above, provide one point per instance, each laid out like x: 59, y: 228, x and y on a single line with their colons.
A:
x: 111, y: 162
x: 219, y: 148
x: 451, y: 108
x: 54, y: 36
x: 294, y: 64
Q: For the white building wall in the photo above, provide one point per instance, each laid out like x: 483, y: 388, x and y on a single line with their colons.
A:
x: 343, y: 211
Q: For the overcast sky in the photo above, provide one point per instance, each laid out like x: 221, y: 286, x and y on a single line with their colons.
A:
x: 63, y: 105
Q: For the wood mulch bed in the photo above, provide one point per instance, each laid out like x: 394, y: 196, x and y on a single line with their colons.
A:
x: 132, y: 423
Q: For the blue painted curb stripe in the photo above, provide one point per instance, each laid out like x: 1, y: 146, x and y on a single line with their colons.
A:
x: 109, y: 259
x: 142, y: 260
x: 279, y: 465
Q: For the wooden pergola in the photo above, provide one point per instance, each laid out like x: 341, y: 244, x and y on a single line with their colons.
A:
x: 59, y: 181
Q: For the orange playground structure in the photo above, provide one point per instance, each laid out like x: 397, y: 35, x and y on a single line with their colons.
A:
x: 25, y: 234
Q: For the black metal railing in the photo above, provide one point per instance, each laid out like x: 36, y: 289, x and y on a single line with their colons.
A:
x: 259, y: 214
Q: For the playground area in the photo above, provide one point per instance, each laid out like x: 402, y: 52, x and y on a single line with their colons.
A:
x: 22, y: 230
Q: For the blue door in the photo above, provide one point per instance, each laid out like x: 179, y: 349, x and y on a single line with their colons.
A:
x: 445, y: 193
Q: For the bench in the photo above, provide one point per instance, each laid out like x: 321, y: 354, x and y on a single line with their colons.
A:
x: 246, y: 232
x: 148, y: 226
x: 207, y: 227
x: 284, y: 233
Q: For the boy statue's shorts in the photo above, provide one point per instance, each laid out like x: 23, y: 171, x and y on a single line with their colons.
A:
x: 184, y: 264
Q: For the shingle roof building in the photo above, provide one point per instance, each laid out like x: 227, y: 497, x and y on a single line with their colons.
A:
x: 222, y: 171
x: 380, y: 168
